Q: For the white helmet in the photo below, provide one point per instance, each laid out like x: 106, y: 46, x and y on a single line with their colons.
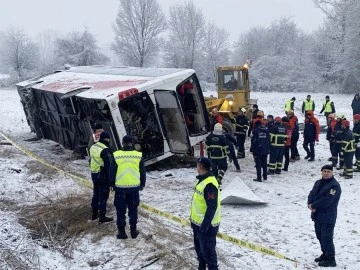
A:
x: 243, y: 110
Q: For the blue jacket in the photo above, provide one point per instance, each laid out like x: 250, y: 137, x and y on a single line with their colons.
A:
x: 260, y: 141
x: 324, y: 197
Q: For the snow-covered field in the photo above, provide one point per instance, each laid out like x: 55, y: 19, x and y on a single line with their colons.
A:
x: 283, y: 224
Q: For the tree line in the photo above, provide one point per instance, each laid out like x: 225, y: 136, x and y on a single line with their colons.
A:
x: 283, y: 57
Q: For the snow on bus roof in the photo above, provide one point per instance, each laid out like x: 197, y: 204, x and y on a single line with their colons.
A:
x: 100, y: 80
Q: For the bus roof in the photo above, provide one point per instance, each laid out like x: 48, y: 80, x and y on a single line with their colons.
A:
x: 99, y: 82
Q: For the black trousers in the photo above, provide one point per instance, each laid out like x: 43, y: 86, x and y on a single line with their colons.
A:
x: 100, y: 193
x: 287, y: 157
x: 261, y: 163
x: 357, y: 157
x: 205, y: 244
x: 325, y: 233
x: 337, y: 152
x: 240, y: 143
x: 276, y: 158
x: 309, y: 142
x: 232, y: 155
x: 293, y: 147
x: 348, y: 163
x: 124, y: 201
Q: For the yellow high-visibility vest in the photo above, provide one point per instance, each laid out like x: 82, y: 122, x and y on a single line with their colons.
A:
x: 308, y: 105
x: 198, y: 204
x: 128, y: 169
x: 96, y: 162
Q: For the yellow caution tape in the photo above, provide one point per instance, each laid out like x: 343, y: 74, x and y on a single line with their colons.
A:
x: 182, y: 221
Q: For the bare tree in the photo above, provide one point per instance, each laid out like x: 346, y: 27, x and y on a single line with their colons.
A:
x: 216, y: 49
x: 80, y: 49
x: 187, y: 31
x: 137, y: 28
x: 19, y: 52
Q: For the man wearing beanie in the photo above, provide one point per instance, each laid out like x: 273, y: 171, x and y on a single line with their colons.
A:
x: 322, y: 201
x: 101, y: 163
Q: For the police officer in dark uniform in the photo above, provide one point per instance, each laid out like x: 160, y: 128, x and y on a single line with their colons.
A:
x: 101, y: 165
x: 242, y: 125
x: 205, y: 215
x: 323, y: 201
x: 260, y: 143
x: 129, y: 179
x: 277, y: 146
x: 217, y: 150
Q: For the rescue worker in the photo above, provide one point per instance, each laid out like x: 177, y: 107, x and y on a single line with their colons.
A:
x: 215, y: 118
x: 205, y: 215
x: 254, y: 111
x: 356, y: 132
x: 289, y: 131
x: 308, y: 105
x: 242, y: 125
x: 311, y: 134
x: 259, y: 116
x: 337, y: 154
x: 217, y: 151
x: 330, y: 133
x: 294, y: 126
x: 101, y: 164
x: 348, y: 148
x: 355, y: 104
x: 328, y: 107
x: 230, y: 140
x: 269, y: 121
x: 130, y: 178
x: 260, y: 146
x: 277, y: 146
x: 322, y: 201
x: 96, y: 135
x: 289, y: 105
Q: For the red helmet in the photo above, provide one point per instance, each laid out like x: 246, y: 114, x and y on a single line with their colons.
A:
x: 277, y: 119
x: 357, y: 117
x: 345, y: 123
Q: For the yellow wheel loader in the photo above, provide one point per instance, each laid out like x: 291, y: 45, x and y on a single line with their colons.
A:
x: 233, y: 90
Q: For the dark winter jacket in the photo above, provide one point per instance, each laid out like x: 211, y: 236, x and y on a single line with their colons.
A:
x: 260, y: 141
x: 324, y: 197
x: 356, y: 132
x: 242, y: 125
x: 355, y: 104
x: 109, y: 163
x: 330, y: 130
x: 338, y: 132
x: 312, y: 127
x: 216, y: 146
x: 230, y: 140
x: 278, y: 135
x: 348, y: 144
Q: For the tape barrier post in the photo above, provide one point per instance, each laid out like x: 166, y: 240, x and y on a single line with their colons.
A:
x: 182, y: 221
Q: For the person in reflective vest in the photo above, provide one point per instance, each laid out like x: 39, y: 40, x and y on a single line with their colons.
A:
x: 277, y: 146
x: 294, y: 125
x: 217, y: 150
x: 348, y: 148
x: 205, y: 215
x: 328, y: 107
x: 356, y: 132
x: 129, y: 179
x: 242, y: 125
x: 330, y: 133
x: 308, y: 105
x: 289, y: 105
x: 338, y: 133
x: 101, y: 165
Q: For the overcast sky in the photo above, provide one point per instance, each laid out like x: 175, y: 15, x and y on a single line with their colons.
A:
x: 237, y: 16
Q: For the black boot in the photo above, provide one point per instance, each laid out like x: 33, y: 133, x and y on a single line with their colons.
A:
x: 328, y: 262
x: 257, y: 179
x: 321, y: 258
x: 134, y: 232
x: 103, y: 218
x: 95, y: 215
x: 121, y: 233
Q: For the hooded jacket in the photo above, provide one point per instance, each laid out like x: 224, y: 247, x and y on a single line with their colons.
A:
x: 312, y: 127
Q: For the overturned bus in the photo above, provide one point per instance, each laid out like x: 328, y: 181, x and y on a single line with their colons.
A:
x: 162, y: 109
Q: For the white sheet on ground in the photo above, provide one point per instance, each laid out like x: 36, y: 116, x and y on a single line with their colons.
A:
x: 237, y: 192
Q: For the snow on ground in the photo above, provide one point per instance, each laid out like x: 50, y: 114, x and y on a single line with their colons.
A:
x: 283, y: 224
